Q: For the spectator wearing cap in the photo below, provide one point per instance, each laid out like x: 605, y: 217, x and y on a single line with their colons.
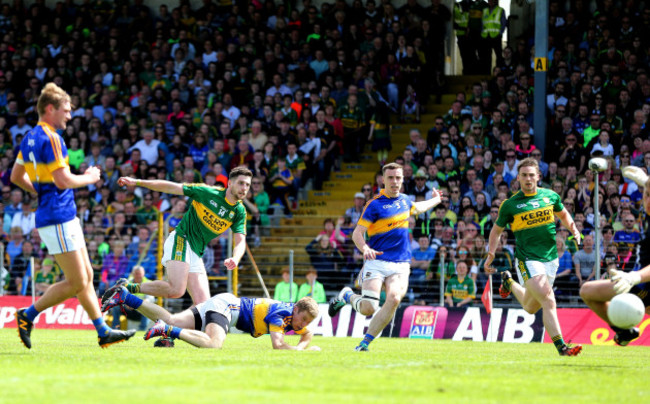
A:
x: 354, y: 213
x: 419, y: 185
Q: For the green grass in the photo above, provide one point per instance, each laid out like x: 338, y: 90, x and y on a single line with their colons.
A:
x: 68, y: 366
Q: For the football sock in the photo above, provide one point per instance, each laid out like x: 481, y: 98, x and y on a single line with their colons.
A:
x: 367, y: 339
x: 173, y: 332
x: 132, y: 301
x: 347, y: 296
x: 558, y: 341
x: 101, y: 327
x: 133, y: 287
x: 508, y: 283
x: 31, y: 313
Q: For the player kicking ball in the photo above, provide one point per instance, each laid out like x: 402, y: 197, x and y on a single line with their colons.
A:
x: 206, y: 324
x: 531, y: 214
x: 597, y: 294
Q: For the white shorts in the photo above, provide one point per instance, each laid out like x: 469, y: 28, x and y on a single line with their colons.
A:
x: 177, y: 248
x: 225, y: 304
x: 529, y: 269
x: 64, y: 237
x: 378, y: 269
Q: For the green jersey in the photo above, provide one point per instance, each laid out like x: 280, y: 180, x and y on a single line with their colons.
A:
x: 460, y: 291
x: 532, y: 219
x: 209, y: 215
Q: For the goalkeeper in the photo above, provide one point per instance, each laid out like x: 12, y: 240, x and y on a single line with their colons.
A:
x: 597, y: 294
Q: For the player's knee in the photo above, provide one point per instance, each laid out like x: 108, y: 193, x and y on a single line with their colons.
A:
x: 176, y: 291
x: 78, y: 284
x: 369, y: 303
x: 393, y: 299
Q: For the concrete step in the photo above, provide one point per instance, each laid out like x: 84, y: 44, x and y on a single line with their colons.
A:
x: 360, y: 175
x: 341, y: 195
x: 354, y: 186
x: 303, y: 221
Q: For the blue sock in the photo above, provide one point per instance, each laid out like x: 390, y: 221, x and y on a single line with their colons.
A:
x: 347, y: 296
x: 132, y: 301
x: 31, y: 313
x: 101, y: 327
x: 367, y: 339
x: 175, y: 332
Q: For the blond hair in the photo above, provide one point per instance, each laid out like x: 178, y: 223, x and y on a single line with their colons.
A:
x: 309, y: 305
x: 51, y: 95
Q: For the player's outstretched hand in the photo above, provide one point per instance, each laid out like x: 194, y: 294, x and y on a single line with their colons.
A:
x: 313, y: 348
x: 369, y: 253
x: 126, y: 182
x: 623, y: 281
x: 487, y: 264
x: 230, y: 264
x: 94, y: 172
x: 437, y: 195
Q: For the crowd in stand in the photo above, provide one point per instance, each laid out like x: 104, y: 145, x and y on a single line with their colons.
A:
x: 187, y: 94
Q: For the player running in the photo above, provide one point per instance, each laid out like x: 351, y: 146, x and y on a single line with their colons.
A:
x: 597, y: 294
x: 42, y: 168
x: 212, y: 211
x: 531, y: 214
x: 206, y: 325
x: 385, y: 219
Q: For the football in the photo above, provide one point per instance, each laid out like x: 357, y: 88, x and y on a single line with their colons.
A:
x: 625, y: 311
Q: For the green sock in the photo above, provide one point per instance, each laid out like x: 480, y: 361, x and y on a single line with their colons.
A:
x: 558, y: 341
x: 133, y: 287
x: 508, y: 283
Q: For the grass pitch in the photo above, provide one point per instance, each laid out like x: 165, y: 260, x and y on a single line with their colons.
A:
x: 69, y: 366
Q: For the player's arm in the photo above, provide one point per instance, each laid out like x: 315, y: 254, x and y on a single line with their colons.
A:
x: 64, y: 179
x: 423, y: 206
x: 495, y: 237
x: 19, y: 177
x: 358, y: 236
x: 567, y: 221
x: 623, y: 281
x: 238, y: 251
x: 278, y: 342
x: 167, y: 187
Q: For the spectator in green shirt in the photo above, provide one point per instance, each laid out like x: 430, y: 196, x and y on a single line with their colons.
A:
x: 312, y: 287
x: 282, y: 290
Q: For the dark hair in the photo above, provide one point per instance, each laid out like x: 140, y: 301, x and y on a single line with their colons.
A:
x: 239, y: 171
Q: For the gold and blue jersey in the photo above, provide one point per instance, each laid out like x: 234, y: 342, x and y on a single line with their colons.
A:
x: 259, y: 316
x: 387, y: 221
x: 42, y: 151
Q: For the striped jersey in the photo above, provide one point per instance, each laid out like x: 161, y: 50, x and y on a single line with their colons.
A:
x: 263, y: 316
x: 209, y: 215
x: 532, y: 220
x: 42, y: 151
x: 386, y: 219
